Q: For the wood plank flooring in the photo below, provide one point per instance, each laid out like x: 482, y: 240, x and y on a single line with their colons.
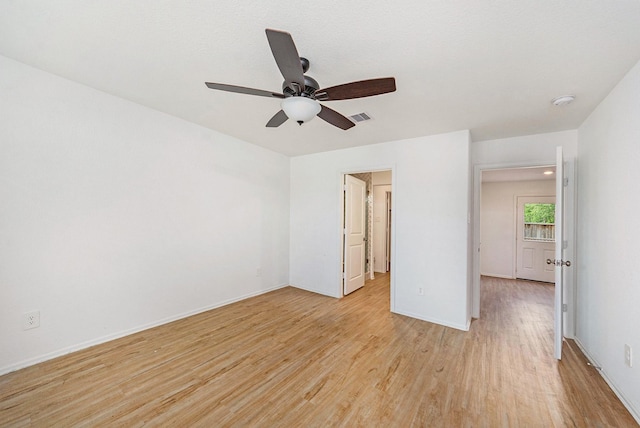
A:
x: 294, y: 358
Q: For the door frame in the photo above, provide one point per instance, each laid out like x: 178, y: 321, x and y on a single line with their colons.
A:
x: 570, y: 203
x: 384, y: 192
x: 388, y: 217
x: 340, y: 193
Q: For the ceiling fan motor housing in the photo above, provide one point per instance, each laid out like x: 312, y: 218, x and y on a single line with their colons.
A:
x: 305, y: 64
x: 310, y: 87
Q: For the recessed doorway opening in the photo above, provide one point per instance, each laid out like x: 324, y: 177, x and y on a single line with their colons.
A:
x: 366, y: 228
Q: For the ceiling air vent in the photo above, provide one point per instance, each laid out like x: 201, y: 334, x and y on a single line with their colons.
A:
x: 360, y: 117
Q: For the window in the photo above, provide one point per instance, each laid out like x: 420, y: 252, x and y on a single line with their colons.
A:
x: 539, y: 222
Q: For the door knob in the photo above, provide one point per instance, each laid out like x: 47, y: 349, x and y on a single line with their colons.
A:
x: 559, y: 262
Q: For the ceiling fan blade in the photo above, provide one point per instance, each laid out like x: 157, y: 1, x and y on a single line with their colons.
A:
x: 243, y: 90
x: 335, y: 118
x: 363, y: 88
x: 286, y: 56
x: 278, y: 119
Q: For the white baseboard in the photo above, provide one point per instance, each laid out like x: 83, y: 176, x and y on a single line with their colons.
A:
x: 496, y: 275
x: 463, y: 327
x: 311, y: 290
x: 77, y: 347
x: 625, y: 402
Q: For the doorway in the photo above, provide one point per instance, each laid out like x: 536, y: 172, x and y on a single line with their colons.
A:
x: 500, y: 234
x: 366, y: 218
x: 535, y: 238
x: 568, y: 244
x: 517, y: 232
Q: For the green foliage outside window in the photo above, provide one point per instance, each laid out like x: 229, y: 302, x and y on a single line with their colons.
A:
x: 540, y: 213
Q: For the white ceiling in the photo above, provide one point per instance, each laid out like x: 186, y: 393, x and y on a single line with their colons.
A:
x: 488, y: 66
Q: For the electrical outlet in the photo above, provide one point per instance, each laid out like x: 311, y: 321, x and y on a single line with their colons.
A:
x: 30, y: 320
x: 628, y: 357
x: 420, y: 291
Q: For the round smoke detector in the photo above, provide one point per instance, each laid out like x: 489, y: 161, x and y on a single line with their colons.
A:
x: 563, y: 100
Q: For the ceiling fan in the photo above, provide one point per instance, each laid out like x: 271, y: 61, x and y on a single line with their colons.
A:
x: 301, y: 93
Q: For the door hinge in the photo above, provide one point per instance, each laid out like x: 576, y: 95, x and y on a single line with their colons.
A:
x: 344, y: 187
x: 564, y: 307
x: 565, y: 182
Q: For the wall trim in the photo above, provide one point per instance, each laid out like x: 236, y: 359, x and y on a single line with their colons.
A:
x: 89, y: 343
x: 311, y: 290
x: 497, y: 275
x: 463, y: 327
x: 625, y: 402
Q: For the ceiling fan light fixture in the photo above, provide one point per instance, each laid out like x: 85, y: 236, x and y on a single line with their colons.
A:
x: 300, y: 109
x: 563, y: 100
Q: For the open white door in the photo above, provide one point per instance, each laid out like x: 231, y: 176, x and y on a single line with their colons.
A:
x: 355, y: 193
x: 559, y: 262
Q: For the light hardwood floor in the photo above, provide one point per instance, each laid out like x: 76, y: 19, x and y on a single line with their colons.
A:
x: 294, y: 358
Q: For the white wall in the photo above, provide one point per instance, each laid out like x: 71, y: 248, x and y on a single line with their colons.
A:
x: 498, y: 222
x: 114, y: 217
x: 523, y: 151
x: 381, y: 178
x: 608, y: 231
x: 430, y: 205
